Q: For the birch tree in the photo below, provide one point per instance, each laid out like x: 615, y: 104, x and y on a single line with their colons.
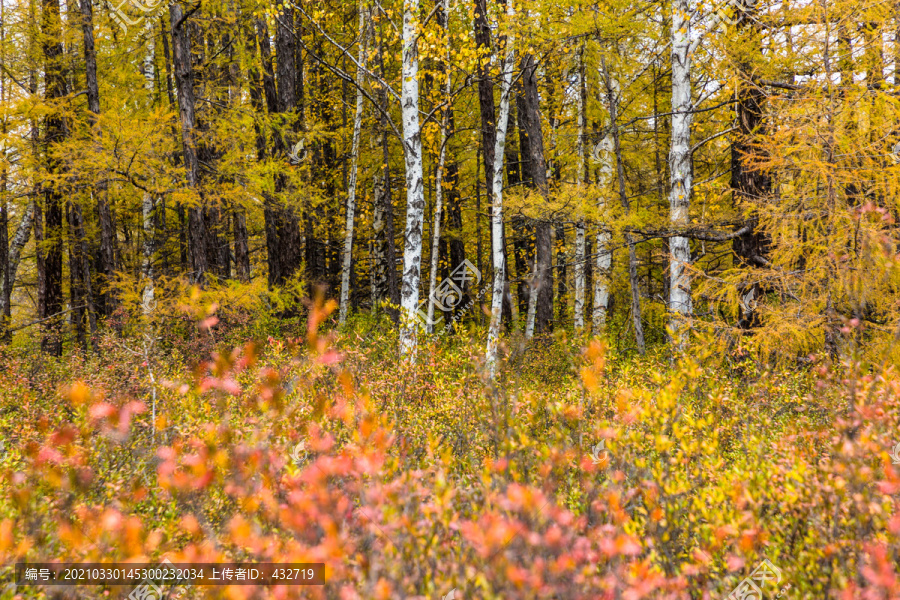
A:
x: 415, y: 190
x: 20, y: 239
x: 580, y: 177
x: 612, y: 98
x: 499, y: 263
x: 680, y: 307
x: 603, y: 153
x: 347, y: 262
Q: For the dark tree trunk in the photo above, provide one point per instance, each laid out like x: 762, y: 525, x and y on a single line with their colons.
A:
x: 179, y: 207
x: 259, y: 92
x: 287, y: 225
x: 5, y: 271
x: 40, y: 265
x: 561, y: 272
x: 518, y: 171
x: 76, y: 289
x: 750, y: 185
x: 485, y: 91
x: 80, y: 271
x: 184, y: 80
x: 106, y: 258
x: 393, y: 282
x: 55, y: 89
x: 241, y: 246
x: 532, y: 151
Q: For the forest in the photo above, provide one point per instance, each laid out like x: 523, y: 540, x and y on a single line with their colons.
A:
x: 450, y: 299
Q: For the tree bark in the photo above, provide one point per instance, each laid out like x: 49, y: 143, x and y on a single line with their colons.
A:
x: 52, y: 228
x: 147, y: 274
x: 107, y: 255
x: 488, y: 118
x: 540, y: 309
x: 580, y: 178
x: 444, y: 19
x: 5, y: 275
x: 680, y: 305
x: 80, y: 272
x: 23, y: 233
x: 499, y: 287
x: 184, y: 80
x: 387, y: 204
x: 287, y: 224
x: 415, y: 194
x: 612, y: 92
x: 347, y: 259
x: 750, y: 185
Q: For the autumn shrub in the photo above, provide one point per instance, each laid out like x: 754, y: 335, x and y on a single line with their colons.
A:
x: 582, y: 472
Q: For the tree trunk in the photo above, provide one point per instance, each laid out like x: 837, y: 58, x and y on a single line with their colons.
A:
x: 605, y: 152
x: 5, y: 277
x: 263, y: 97
x: 241, y: 246
x: 444, y: 18
x: 612, y: 93
x: 107, y: 255
x: 499, y: 287
x: 379, y: 246
x: 347, y: 259
x: 415, y: 193
x: 580, y: 178
x: 52, y: 227
x: 80, y: 272
x: 289, y: 245
x: 184, y: 80
x: 488, y: 118
x: 750, y: 186
x: 393, y: 284
x: 23, y: 233
x: 680, y: 306
x: 530, y: 117
x: 147, y: 265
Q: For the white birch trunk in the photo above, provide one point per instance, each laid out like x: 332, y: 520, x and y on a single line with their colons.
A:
x: 605, y: 155
x: 680, y: 307
x: 532, y: 301
x: 23, y: 233
x: 347, y: 262
x: 439, y: 192
x: 580, y: 178
x: 497, y: 207
x: 415, y: 191
x: 147, y: 266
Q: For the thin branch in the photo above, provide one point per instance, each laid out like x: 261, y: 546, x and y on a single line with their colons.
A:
x: 26, y: 325
x: 344, y: 51
x: 711, y: 138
